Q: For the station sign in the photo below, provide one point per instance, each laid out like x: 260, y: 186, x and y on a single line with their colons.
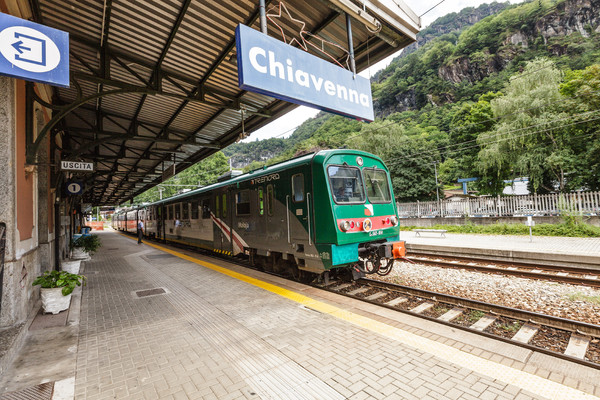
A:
x: 273, y: 68
x: 33, y: 52
x: 76, y: 166
x: 74, y: 187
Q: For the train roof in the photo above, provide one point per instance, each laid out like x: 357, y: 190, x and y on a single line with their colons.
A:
x: 320, y: 157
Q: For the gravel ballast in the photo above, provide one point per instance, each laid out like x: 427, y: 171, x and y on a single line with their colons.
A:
x: 578, y: 303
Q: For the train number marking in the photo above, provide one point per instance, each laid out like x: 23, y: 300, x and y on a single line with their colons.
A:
x: 375, y: 233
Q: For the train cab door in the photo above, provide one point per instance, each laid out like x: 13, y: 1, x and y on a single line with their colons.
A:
x: 298, y: 210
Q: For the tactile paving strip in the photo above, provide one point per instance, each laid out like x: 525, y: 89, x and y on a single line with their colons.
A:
x: 39, y: 392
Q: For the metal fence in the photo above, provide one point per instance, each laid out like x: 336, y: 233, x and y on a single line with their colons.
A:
x: 2, y: 247
x: 581, y: 203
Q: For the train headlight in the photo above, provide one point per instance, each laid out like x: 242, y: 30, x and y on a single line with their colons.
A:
x: 394, y: 220
x: 344, y: 226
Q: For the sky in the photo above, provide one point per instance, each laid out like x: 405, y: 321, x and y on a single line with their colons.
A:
x: 285, y: 125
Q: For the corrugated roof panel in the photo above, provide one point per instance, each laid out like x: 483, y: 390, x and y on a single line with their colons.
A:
x: 143, y: 27
x: 82, y: 17
x: 193, y: 116
x: 159, y: 109
x: 125, y: 103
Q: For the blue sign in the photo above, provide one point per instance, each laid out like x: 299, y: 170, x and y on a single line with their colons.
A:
x: 74, y: 187
x: 271, y: 67
x: 33, y: 52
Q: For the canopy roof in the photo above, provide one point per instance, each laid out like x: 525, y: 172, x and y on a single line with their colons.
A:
x: 154, y: 82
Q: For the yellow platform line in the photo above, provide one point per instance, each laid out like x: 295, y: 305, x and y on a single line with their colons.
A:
x: 524, y: 380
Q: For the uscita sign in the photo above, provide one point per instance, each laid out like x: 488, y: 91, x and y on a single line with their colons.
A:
x: 76, y: 166
x: 271, y: 67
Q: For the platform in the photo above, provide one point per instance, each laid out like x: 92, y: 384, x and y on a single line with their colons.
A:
x: 156, y: 323
x: 561, y: 251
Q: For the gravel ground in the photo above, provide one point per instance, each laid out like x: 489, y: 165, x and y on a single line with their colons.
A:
x: 567, y: 301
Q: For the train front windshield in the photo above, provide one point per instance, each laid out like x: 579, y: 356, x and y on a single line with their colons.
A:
x: 378, y: 189
x: 346, y: 184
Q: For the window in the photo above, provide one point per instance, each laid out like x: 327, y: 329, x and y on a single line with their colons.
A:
x: 186, y: 210
x: 298, y: 187
x: 346, y: 184
x: 170, y: 211
x: 217, y: 207
x: 376, y: 183
x: 224, y: 205
x: 242, y: 202
x: 206, y: 209
x: 270, y: 199
x: 195, y: 209
x: 177, y: 210
x: 261, y: 201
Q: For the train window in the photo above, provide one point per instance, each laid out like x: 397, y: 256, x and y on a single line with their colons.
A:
x: 242, y: 203
x: 298, y: 187
x: 194, y: 210
x: 270, y: 199
x: 205, y: 208
x: 261, y: 201
x: 177, y: 210
x: 224, y: 205
x: 185, y: 207
x: 217, y: 207
x: 376, y: 182
x: 170, y: 211
x: 346, y: 184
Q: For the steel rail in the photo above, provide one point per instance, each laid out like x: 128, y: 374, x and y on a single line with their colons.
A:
x: 521, y: 270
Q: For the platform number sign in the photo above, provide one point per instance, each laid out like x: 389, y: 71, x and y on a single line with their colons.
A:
x: 33, y: 52
x: 74, y: 187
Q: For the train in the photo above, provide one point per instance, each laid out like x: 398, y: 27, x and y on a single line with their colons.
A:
x: 328, y: 212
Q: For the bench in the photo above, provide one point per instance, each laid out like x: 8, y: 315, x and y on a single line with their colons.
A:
x: 442, y: 232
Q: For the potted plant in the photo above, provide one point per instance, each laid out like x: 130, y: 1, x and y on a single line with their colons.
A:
x: 57, y: 287
x: 70, y: 266
x: 84, y: 246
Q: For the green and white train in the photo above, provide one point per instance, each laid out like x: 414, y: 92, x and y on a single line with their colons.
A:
x: 310, y: 215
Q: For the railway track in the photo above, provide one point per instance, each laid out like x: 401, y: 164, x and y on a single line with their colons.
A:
x: 574, y: 276
x: 572, y: 340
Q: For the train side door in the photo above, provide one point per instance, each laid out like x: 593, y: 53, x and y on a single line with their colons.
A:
x: 298, y: 209
x: 221, y: 222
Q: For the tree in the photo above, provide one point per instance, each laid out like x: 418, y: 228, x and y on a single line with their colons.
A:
x: 409, y: 155
x: 533, y: 136
x: 583, y: 89
x: 468, y: 122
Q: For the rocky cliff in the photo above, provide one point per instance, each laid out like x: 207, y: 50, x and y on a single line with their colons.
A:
x: 566, y: 18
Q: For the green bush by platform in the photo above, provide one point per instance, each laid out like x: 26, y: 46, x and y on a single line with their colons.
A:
x: 60, y: 279
x: 564, y: 229
x: 89, y: 243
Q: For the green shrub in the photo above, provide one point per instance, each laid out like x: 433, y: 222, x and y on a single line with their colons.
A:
x: 565, y: 229
x: 89, y: 243
x: 57, y: 279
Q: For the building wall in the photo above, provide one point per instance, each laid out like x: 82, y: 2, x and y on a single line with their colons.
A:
x: 26, y: 206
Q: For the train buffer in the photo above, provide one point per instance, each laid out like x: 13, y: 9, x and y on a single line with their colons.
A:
x: 418, y: 232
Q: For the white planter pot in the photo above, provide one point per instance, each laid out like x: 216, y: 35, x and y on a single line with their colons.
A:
x: 53, y: 301
x: 79, y: 254
x: 71, y: 266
